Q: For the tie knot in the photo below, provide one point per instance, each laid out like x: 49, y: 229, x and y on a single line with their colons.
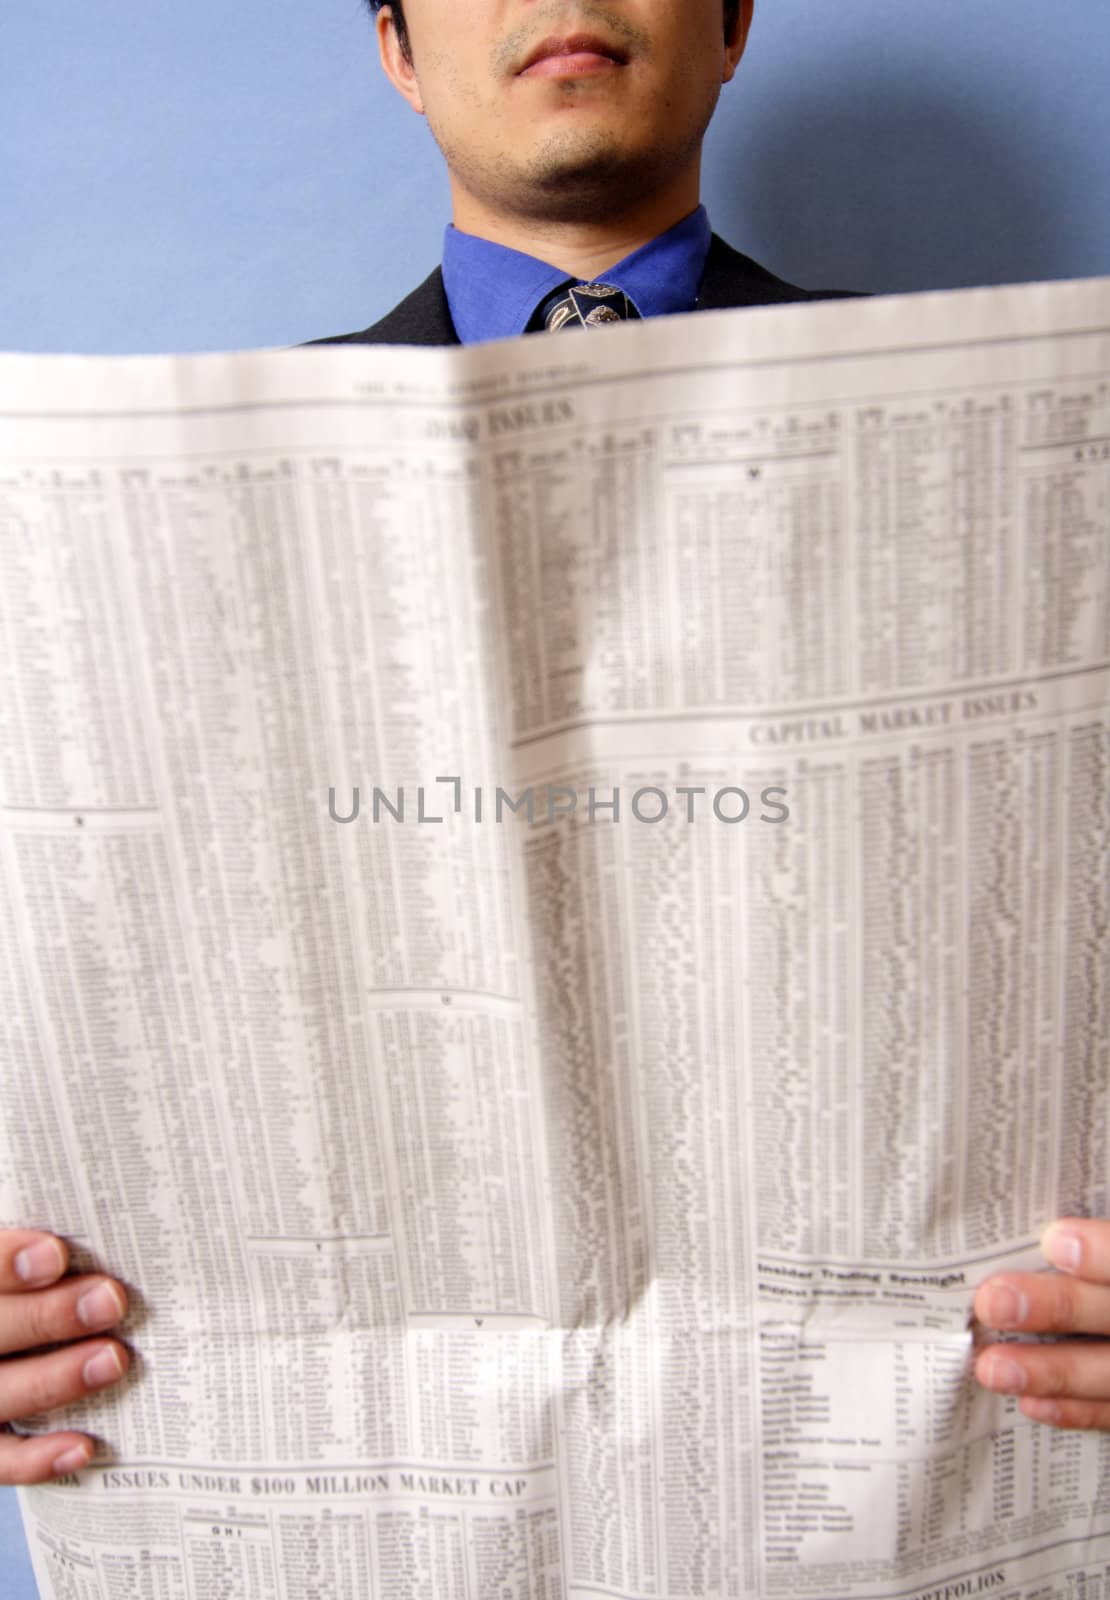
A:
x: 587, y: 305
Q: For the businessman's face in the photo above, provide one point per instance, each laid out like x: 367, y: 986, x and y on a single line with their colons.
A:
x: 565, y: 109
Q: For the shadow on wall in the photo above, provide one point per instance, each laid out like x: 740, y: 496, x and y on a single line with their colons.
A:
x: 896, y: 189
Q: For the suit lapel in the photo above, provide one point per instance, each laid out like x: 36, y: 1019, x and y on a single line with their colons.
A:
x: 731, y: 279
x: 423, y: 317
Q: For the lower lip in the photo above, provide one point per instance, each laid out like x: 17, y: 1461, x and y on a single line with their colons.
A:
x: 580, y: 64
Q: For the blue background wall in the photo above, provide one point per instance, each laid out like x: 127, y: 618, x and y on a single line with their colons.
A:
x: 196, y: 177
x: 191, y: 176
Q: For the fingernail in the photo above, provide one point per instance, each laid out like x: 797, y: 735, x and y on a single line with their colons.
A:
x: 1008, y: 1307
x: 100, y: 1307
x: 39, y: 1263
x: 1000, y: 1373
x: 103, y: 1368
x: 71, y: 1460
x: 1064, y: 1248
x: 1042, y: 1410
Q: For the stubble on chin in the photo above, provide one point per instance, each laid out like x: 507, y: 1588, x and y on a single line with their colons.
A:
x: 564, y: 178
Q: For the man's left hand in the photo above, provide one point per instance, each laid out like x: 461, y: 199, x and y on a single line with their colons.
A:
x: 1066, y: 1384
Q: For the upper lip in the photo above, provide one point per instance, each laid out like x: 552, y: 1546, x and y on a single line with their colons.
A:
x: 573, y: 45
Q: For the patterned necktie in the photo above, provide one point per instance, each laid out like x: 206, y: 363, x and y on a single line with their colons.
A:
x: 585, y: 305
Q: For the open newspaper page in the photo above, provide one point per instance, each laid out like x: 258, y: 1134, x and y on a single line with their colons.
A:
x: 554, y: 924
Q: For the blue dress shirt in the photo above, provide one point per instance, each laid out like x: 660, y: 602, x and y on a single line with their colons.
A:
x: 492, y: 291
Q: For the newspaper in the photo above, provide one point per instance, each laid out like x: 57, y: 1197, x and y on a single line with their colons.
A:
x: 555, y: 926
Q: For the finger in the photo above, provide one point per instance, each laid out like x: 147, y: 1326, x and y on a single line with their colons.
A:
x: 29, y: 1259
x: 1081, y: 1246
x: 40, y: 1383
x: 37, y: 1460
x: 1043, y: 1302
x: 1051, y: 1371
x: 76, y: 1308
x: 1069, y: 1413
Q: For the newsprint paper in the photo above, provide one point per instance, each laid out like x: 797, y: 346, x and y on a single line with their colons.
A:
x: 555, y: 925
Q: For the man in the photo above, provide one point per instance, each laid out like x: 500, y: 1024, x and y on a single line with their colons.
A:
x: 572, y: 131
x: 572, y: 134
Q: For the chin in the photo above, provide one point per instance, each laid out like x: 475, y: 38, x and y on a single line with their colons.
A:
x: 577, y: 172
x: 578, y: 176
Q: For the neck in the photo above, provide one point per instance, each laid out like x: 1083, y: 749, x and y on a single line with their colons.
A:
x: 583, y: 247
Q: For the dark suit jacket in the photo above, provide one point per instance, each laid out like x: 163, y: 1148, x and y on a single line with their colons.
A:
x: 730, y: 279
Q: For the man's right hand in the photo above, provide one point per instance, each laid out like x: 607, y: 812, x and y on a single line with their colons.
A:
x: 36, y: 1309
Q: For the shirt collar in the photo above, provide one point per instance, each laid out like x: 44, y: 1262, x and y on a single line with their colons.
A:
x: 492, y: 291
